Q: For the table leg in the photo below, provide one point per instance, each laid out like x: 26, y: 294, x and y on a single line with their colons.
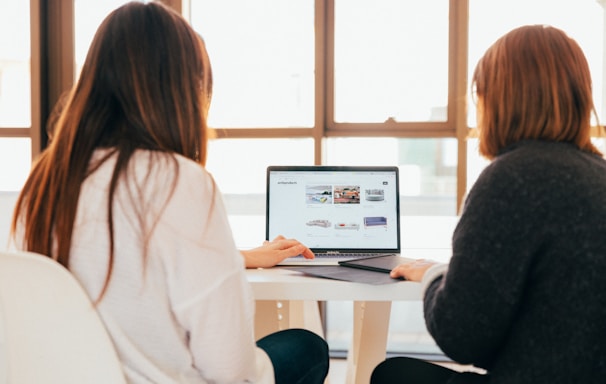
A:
x: 272, y: 316
x: 369, y: 341
x: 267, y: 318
x: 304, y: 314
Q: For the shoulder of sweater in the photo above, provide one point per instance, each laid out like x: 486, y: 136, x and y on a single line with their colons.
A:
x: 536, y: 158
x: 536, y: 150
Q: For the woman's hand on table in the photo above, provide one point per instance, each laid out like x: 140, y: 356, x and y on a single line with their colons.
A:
x: 273, y: 252
x: 413, y: 270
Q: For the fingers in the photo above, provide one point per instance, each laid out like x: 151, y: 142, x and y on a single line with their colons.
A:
x: 402, y: 270
x: 291, y: 247
x: 398, y: 271
x: 298, y: 249
x: 307, y: 253
x: 276, y: 239
x: 413, y: 270
x: 285, y: 243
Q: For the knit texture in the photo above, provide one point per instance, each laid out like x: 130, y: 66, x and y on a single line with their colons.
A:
x: 525, y: 293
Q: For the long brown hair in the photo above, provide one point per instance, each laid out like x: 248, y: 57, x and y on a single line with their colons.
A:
x: 533, y: 83
x: 146, y: 84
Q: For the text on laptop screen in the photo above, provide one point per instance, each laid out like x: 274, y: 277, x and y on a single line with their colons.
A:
x: 344, y: 208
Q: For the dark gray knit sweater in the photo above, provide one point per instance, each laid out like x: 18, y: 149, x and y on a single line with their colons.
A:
x: 525, y: 293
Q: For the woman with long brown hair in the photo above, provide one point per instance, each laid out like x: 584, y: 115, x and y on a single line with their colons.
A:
x: 524, y: 294
x: 121, y: 198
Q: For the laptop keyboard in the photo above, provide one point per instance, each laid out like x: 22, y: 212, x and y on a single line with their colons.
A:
x: 348, y: 255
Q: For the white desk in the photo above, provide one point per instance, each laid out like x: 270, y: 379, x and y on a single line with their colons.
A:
x: 288, y: 299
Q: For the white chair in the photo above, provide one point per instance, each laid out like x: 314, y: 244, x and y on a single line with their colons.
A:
x: 49, y: 330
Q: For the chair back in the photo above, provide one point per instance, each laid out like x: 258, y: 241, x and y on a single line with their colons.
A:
x: 50, y: 331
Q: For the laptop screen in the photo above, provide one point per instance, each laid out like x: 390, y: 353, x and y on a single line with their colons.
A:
x: 335, y: 208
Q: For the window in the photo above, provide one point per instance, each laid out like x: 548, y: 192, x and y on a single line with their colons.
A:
x: 239, y: 167
x: 283, y: 96
x: 428, y: 168
x: 292, y: 84
x: 390, y: 61
x: 325, y: 82
x: 15, y: 94
x: 87, y: 17
x: 262, y: 55
x: 15, y: 77
x: 583, y: 20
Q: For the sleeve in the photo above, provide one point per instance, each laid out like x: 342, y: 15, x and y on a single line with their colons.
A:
x: 432, y: 274
x: 210, y: 295
x: 469, y: 310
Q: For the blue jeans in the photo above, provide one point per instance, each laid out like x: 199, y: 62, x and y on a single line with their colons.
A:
x: 298, y: 356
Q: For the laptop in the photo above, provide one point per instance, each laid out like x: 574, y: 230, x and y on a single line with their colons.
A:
x: 339, y: 212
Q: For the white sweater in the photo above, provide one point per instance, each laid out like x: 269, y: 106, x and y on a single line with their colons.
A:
x: 183, y: 313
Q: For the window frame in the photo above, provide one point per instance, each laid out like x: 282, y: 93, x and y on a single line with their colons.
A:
x: 324, y: 124
x: 51, y: 65
x: 53, y: 72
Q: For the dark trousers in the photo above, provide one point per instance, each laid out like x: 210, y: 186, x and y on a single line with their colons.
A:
x: 298, y: 356
x: 407, y: 370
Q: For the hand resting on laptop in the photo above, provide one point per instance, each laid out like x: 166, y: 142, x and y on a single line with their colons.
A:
x: 273, y: 252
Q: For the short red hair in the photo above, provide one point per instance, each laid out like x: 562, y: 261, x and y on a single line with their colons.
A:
x: 533, y: 83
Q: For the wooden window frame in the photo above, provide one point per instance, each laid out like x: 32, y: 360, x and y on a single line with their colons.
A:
x: 53, y: 69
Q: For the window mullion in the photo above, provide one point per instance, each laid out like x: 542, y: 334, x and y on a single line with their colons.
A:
x: 458, y: 47
x: 324, y: 81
